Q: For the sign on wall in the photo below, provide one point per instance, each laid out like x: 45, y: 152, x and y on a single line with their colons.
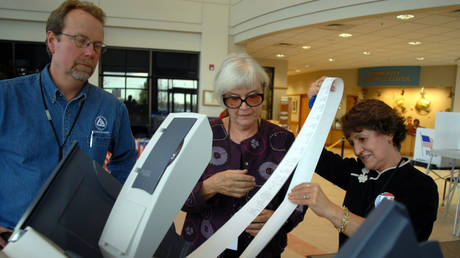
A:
x: 389, y: 75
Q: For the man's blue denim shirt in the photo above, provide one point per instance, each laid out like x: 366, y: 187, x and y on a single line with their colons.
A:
x: 28, y: 148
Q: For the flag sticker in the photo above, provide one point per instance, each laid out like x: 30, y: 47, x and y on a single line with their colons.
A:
x: 427, y: 142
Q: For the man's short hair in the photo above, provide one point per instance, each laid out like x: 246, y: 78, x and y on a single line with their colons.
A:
x: 55, y: 21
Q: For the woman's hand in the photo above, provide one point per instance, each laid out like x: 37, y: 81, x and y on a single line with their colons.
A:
x: 235, y: 183
x: 315, y: 86
x: 259, y: 222
x: 311, y: 194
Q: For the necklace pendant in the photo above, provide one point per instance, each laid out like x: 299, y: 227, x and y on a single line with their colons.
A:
x: 362, y: 178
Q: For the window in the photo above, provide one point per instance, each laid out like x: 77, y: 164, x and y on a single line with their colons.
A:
x: 133, y: 90
x: 20, y: 58
x: 125, y: 74
x: 177, y: 95
x: 150, y: 83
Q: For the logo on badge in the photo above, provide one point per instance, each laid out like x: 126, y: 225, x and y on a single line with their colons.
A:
x: 382, y: 196
x: 101, y: 123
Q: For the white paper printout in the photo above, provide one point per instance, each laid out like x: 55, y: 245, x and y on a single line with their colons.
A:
x: 320, y: 123
x: 306, y: 149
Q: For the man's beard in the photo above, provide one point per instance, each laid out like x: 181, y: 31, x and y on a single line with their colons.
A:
x: 81, y: 75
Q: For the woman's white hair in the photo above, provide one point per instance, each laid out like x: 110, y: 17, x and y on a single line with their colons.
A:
x: 236, y: 72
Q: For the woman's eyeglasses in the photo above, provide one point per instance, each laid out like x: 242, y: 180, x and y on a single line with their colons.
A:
x: 252, y: 100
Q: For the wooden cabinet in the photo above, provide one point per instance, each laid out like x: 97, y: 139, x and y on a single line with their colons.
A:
x: 407, y: 146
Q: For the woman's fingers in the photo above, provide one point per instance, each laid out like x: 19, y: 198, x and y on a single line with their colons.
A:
x: 300, y: 194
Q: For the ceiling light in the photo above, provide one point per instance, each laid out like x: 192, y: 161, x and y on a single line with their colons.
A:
x: 283, y: 44
x: 331, y: 59
x: 421, y: 58
x: 306, y: 66
x: 345, y: 35
x: 405, y: 16
x: 414, y: 43
x: 306, y: 47
x: 297, y: 70
x: 280, y: 55
x: 367, y: 53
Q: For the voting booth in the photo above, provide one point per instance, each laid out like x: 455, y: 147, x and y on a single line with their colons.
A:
x: 439, y: 146
x: 423, y: 149
x: 157, y: 187
x: 82, y: 211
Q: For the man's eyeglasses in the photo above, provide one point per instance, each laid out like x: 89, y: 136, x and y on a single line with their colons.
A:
x: 81, y: 41
x: 252, y: 100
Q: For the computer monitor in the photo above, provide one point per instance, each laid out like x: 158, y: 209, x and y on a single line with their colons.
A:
x: 387, y: 232
x: 73, y: 205
x: 156, y: 189
x: 79, y: 198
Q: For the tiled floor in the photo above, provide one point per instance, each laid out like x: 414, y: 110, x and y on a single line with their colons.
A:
x: 316, y: 235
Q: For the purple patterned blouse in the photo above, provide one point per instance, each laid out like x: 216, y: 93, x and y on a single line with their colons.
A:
x: 260, y: 154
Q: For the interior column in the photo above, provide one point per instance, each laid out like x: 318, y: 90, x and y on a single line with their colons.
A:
x: 456, y: 103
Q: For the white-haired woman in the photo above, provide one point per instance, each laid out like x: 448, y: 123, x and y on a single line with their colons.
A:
x: 246, y: 150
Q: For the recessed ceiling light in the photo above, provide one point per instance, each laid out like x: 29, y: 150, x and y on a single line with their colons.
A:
x: 331, y: 59
x: 405, y: 16
x: 421, y: 58
x: 283, y: 44
x: 345, y: 35
x: 306, y: 47
x: 414, y: 43
x: 306, y: 66
x: 280, y: 55
x: 367, y: 53
x: 297, y: 70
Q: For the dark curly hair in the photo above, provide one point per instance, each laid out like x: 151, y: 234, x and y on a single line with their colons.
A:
x: 375, y: 115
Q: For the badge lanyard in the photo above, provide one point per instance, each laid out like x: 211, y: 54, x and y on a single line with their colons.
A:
x: 50, y: 119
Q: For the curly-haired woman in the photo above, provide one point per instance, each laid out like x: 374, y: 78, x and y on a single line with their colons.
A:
x: 375, y: 131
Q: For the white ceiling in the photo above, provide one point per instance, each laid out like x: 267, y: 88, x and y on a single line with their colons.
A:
x: 384, y: 36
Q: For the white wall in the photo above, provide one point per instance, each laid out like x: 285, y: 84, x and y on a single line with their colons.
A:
x: 22, y: 30
x: 211, y: 27
x: 214, y: 47
x: 172, y: 15
x: 184, y: 25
